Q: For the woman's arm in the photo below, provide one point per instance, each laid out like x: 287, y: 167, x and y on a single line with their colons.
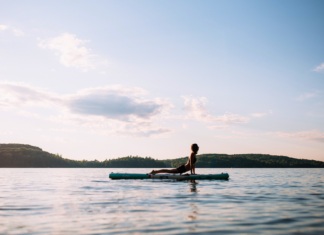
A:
x: 192, y: 165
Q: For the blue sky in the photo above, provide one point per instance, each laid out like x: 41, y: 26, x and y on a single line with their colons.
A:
x: 106, y: 79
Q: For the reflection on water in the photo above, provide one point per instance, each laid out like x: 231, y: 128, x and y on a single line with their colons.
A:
x: 86, y: 201
x: 193, y: 187
x: 193, y: 215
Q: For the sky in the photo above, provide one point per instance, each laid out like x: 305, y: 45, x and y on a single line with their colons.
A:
x: 107, y: 79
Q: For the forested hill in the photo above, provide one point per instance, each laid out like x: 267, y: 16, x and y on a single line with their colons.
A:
x: 19, y: 155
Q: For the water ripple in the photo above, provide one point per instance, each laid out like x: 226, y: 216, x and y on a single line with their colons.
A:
x: 86, y: 201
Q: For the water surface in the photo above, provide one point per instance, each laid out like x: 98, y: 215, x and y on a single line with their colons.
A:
x: 86, y: 201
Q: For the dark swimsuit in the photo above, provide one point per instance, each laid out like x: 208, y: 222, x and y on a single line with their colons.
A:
x: 181, y: 169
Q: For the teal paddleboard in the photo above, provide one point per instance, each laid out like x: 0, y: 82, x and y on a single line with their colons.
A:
x: 222, y: 176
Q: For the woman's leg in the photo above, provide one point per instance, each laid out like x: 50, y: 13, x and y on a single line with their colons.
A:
x: 165, y: 171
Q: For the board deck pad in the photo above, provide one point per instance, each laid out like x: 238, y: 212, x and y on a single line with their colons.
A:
x: 223, y: 176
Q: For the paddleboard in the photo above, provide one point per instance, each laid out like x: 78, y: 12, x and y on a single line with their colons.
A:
x: 223, y: 176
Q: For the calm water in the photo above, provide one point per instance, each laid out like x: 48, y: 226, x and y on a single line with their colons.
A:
x: 86, y: 201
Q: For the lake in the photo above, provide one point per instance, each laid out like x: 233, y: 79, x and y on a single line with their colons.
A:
x: 86, y: 201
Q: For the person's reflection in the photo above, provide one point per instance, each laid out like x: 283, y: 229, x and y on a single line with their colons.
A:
x: 194, y: 213
x: 193, y: 187
x: 194, y: 208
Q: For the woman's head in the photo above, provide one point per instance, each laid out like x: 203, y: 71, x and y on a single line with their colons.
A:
x: 194, y: 148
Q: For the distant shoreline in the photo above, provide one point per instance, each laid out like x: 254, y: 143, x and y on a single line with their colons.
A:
x: 27, y: 156
x: 164, y: 167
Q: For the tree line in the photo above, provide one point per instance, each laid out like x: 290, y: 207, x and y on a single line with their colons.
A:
x: 19, y: 155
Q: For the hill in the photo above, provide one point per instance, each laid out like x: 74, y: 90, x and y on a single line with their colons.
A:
x: 20, y: 155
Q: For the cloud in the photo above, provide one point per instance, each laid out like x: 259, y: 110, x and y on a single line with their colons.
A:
x: 258, y: 114
x: 19, y: 94
x: 70, y: 51
x: 118, y: 108
x: 68, y: 118
x: 66, y: 130
x: 6, y: 133
x: 140, y: 129
x: 184, y: 126
x: 245, y: 133
x: 28, y: 114
x: 319, y: 68
x: 46, y: 138
x: 307, y: 96
x: 197, y: 111
x: 218, y: 127
x: 229, y: 137
x: 17, y: 32
x: 314, y: 114
x: 112, y: 106
x: 313, y: 135
x: 238, y: 134
x: 113, y: 102
x: 261, y: 114
x: 3, y: 27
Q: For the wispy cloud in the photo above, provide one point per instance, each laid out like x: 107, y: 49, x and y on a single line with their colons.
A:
x: 306, y: 96
x: 218, y: 127
x: 184, y: 126
x: 18, y: 94
x: 6, y: 133
x: 237, y: 134
x: 139, y: 129
x: 258, y: 114
x: 121, y: 109
x: 46, y: 138
x: 28, y: 114
x: 16, y: 32
x: 66, y: 130
x: 261, y: 114
x: 230, y: 137
x: 313, y: 114
x: 3, y: 27
x: 313, y: 135
x: 197, y: 111
x: 245, y: 133
x: 319, y: 68
x: 70, y: 51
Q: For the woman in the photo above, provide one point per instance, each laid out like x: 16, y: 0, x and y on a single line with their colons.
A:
x: 190, y: 165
